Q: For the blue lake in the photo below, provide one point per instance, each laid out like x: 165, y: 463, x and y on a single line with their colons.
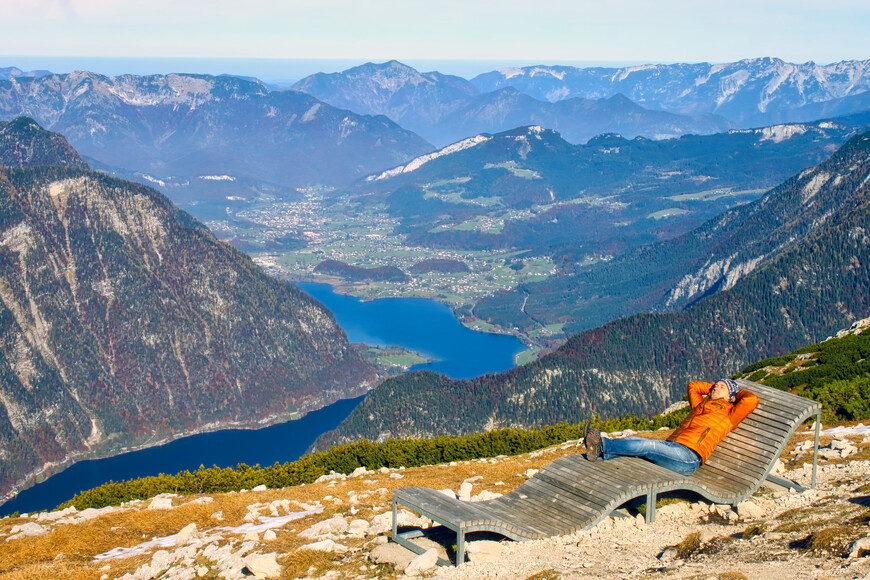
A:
x: 423, y: 326
x: 420, y: 325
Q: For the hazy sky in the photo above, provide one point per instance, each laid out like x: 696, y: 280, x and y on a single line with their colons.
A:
x: 544, y: 31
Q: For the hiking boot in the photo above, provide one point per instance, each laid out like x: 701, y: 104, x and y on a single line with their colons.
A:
x: 592, y: 439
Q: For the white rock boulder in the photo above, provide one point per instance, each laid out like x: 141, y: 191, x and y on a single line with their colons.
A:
x: 422, y: 563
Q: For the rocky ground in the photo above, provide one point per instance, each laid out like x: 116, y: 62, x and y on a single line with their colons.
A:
x: 338, y: 527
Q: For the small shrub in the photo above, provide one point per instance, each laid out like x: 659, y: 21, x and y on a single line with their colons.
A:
x: 834, y: 540
x: 689, y: 546
x: 754, y: 530
x: 548, y: 574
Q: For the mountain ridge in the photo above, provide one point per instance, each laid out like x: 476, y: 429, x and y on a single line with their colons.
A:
x: 176, y: 130
x: 123, y: 319
x: 445, y: 109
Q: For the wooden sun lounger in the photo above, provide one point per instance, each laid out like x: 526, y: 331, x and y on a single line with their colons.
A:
x: 572, y: 494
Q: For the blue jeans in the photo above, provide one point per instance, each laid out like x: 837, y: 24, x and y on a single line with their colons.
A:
x: 667, y: 454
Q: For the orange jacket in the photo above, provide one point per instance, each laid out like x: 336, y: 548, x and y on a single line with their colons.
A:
x: 711, y: 420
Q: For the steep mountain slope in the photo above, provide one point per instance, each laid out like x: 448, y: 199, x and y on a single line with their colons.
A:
x: 122, y: 321
x: 23, y: 143
x: 193, y: 134
x: 640, y: 363
x: 445, y: 109
x: 750, y: 92
x: 674, y: 273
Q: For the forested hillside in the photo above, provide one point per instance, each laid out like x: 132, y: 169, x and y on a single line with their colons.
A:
x: 123, y: 321
x: 640, y: 363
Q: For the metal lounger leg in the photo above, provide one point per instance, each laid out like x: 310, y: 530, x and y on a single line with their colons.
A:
x: 816, y: 447
x: 650, y: 506
x: 460, y: 547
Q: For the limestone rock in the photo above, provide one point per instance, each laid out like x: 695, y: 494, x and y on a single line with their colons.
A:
x: 27, y: 530
x: 860, y: 547
x: 749, y: 510
x: 187, y: 535
x: 465, y: 490
x: 484, y: 551
x: 392, y: 553
x: 269, y: 535
x: 160, y: 502
x: 358, y: 528
x: 422, y: 563
x: 384, y: 522
x: 261, y: 487
x: 358, y: 471
x: 677, y: 510
x: 325, y: 546
x: 336, y: 525
x: 263, y: 565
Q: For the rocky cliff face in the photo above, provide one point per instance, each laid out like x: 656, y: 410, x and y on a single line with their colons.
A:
x: 123, y: 319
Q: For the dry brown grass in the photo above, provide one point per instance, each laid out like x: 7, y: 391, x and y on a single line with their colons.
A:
x: 39, y: 557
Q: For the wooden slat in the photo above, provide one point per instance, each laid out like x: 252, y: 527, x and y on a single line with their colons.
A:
x: 538, y: 514
x: 557, y: 514
x: 732, y: 478
x: 593, y: 496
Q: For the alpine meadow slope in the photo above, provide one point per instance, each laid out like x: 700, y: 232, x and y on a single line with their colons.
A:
x: 804, y: 292
x: 123, y: 321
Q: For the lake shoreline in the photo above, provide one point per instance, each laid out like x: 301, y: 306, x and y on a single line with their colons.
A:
x: 51, y: 469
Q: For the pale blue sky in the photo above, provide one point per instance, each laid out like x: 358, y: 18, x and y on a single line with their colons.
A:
x: 414, y: 31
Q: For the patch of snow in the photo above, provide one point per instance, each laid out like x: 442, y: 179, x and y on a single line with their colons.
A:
x: 730, y: 85
x: 623, y: 73
x: 217, y: 177
x: 779, y: 133
x: 159, y: 182
x: 310, y: 113
x: 547, y: 71
x: 562, y: 92
x: 859, y: 429
x: 268, y: 523
x: 814, y: 186
x: 346, y: 127
x: 423, y: 159
x: 511, y: 72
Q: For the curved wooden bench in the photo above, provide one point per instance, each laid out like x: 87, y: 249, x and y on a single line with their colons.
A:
x: 572, y: 494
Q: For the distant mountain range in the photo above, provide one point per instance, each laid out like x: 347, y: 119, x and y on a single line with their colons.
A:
x: 444, y: 109
x: 811, y: 280
x: 202, y: 138
x: 528, y: 189
x: 124, y: 321
x: 750, y: 93
x: 12, y: 72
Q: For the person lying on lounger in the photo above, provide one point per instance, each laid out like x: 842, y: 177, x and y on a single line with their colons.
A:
x: 717, y: 408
